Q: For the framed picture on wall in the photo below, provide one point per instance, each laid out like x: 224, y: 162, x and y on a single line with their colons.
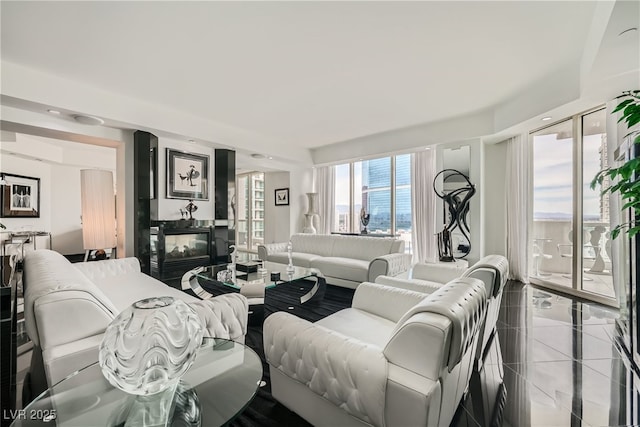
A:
x: 20, y: 197
x: 187, y: 175
x: 282, y: 197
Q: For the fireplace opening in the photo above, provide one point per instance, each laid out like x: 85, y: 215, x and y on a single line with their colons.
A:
x: 174, y: 251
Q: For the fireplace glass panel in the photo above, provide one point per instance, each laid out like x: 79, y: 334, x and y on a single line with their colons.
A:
x: 180, y: 246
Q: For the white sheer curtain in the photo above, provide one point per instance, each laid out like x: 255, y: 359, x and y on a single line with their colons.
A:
x: 423, y: 206
x: 325, y: 187
x: 519, y: 184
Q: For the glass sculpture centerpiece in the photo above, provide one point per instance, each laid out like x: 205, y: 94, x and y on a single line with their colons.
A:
x: 150, y: 345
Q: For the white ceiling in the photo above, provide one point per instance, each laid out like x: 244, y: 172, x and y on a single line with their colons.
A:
x: 303, y: 74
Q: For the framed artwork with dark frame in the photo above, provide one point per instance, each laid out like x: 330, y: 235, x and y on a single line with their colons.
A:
x: 20, y: 197
x: 282, y: 196
x: 187, y: 175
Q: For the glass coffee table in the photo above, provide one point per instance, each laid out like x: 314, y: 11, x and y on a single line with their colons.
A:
x: 273, y: 286
x: 219, y: 385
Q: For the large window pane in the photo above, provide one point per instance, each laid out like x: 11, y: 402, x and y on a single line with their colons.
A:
x: 342, y: 208
x: 242, y: 214
x: 376, y: 194
x: 403, y: 199
x: 595, y: 208
x: 553, y: 204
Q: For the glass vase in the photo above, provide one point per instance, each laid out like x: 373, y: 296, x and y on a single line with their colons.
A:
x: 150, y: 345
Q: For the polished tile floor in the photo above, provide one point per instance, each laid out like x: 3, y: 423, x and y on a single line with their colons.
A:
x: 560, y: 365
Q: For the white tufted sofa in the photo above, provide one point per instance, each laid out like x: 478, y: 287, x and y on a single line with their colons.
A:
x: 68, y: 307
x: 395, y: 358
x: 343, y: 260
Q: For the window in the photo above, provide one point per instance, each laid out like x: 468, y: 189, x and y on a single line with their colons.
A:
x: 383, y: 188
x: 250, y: 229
x: 570, y: 221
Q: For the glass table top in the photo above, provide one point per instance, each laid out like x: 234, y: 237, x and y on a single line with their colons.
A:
x: 220, y: 384
x: 259, y: 277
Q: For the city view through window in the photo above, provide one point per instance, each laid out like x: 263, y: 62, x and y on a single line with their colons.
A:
x: 556, y: 259
x: 374, y: 187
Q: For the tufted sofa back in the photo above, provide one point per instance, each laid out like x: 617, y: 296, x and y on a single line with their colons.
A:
x: 446, y: 324
x: 358, y: 247
x: 319, y: 244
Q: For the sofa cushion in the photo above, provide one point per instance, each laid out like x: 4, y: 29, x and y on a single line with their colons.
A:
x: 364, y: 248
x: 300, y: 259
x: 345, y: 268
x: 131, y: 287
x: 359, y: 324
x: 318, y: 244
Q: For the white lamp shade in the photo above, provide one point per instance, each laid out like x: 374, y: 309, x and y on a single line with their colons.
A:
x: 98, y: 209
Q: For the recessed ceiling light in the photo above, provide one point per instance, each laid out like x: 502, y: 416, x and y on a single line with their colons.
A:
x: 88, y: 120
x: 53, y: 111
x: 258, y: 156
x: 270, y: 158
x: 427, y: 148
x: 192, y: 140
x: 546, y: 119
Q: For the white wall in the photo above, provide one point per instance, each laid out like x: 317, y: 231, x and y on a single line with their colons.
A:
x: 163, y: 208
x: 59, y: 173
x: 301, y: 183
x: 495, y: 206
x: 277, y: 219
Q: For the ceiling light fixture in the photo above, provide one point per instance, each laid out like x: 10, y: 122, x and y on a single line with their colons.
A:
x: 88, y: 120
x: 427, y: 148
x: 546, y: 119
x: 258, y: 156
x: 53, y: 111
x: 192, y: 141
x: 270, y: 158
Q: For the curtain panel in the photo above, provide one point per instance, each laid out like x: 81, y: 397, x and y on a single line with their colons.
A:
x: 423, y: 206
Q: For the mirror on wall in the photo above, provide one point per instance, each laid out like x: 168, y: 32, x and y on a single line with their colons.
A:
x: 457, y: 159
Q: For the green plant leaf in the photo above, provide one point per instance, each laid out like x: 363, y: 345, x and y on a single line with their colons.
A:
x: 622, y: 105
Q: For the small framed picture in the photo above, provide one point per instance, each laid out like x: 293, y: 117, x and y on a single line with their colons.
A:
x: 282, y: 197
x: 187, y: 175
x: 20, y: 196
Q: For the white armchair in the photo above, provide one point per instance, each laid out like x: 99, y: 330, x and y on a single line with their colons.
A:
x: 395, y: 358
x: 493, y: 270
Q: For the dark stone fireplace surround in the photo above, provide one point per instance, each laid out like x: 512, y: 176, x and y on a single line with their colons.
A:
x: 221, y: 229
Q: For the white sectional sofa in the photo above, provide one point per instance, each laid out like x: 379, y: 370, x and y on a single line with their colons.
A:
x: 343, y: 260
x: 68, y: 307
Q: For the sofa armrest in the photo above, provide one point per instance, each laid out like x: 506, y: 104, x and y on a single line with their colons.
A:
x: 417, y: 285
x: 347, y: 372
x: 65, y: 316
x: 108, y: 268
x: 438, y: 272
x: 271, y: 248
x: 63, y: 360
x: 388, y: 265
x: 224, y: 316
x: 384, y: 301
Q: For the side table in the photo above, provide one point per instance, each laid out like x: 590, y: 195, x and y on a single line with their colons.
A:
x: 219, y: 385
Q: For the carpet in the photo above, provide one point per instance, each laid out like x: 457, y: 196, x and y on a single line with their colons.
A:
x: 264, y: 410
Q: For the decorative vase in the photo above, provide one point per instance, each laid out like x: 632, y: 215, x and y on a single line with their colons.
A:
x: 312, y: 214
x: 150, y: 345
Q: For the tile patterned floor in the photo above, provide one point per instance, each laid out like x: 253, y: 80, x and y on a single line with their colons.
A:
x: 560, y: 364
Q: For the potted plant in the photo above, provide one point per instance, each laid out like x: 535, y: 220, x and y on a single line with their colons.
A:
x: 625, y: 179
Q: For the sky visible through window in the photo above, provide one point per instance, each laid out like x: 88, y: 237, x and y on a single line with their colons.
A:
x: 552, y: 172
